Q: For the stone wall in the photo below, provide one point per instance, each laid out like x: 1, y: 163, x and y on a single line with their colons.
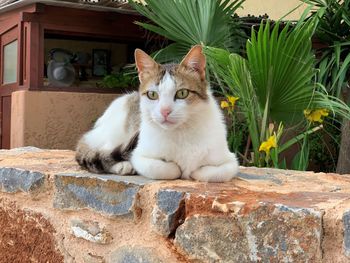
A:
x: 51, y: 211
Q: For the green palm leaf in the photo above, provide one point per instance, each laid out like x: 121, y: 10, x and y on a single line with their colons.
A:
x: 281, y: 66
x: 275, y: 83
x: 190, y: 22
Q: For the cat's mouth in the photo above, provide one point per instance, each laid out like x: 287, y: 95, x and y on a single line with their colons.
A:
x: 167, y: 122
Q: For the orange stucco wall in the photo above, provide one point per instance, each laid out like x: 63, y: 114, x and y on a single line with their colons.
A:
x: 54, y: 120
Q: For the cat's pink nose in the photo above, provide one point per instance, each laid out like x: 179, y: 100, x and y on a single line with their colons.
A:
x: 165, y: 112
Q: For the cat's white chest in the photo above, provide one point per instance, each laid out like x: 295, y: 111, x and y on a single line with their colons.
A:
x: 188, y: 155
x: 189, y: 150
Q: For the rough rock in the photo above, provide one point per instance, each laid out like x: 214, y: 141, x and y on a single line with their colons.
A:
x: 213, y: 239
x: 91, y: 258
x: 168, y: 212
x: 261, y: 219
x: 346, y: 222
x: 129, y: 254
x: 233, y: 207
x: 110, y: 194
x: 91, y: 231
x: 270, y: 232
x: 264, y: 177
x: 15, y: 180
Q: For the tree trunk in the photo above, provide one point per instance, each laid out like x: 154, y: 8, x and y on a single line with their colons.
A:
x: 343, y: 166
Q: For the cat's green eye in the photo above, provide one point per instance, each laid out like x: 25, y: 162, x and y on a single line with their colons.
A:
x: 152, y: 95
x: 182, y: 94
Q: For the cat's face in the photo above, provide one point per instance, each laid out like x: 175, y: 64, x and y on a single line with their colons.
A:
x: 172, y: 94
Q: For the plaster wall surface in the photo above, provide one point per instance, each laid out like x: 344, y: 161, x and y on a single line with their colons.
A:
x: 54, y: 119
x: 276, y: 9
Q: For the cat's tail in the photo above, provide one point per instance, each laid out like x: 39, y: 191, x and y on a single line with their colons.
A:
x: 97, y: 161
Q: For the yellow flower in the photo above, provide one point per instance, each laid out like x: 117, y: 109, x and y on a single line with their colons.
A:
x: 224, y: 104
x: 229, y: 103
x: 232, y: 100
x: 267, y: 145
x: 315, y: 115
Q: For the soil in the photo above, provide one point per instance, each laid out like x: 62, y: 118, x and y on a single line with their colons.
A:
x: 26, y: 237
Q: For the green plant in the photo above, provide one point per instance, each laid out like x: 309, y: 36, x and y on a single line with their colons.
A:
x: 333, y: 32
x: 119, y: 80
x: 323, y: 156
x: 236, y: 128
x: 274, y: 85
x: 190, y: 22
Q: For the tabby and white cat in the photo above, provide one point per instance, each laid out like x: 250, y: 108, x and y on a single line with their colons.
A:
x: 172, y: 128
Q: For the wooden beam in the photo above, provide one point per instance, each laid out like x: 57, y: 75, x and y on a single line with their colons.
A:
x: 20, y: 53
x: 88, y: 90
x: 35, y: 60
x: 86, y: 21
x: 8, y: 24
x: 11, y: 18
x: 25, y: 56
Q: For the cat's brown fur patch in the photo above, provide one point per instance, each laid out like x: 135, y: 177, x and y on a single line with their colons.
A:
x: 101, y: 162
x: 98, y: 161
x: 133, y: 113
x: 148, y: 78
x: 190, y: 79
x: 92, y: 160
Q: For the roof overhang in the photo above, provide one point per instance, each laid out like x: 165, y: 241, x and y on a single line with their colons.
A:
x: 95, y: 7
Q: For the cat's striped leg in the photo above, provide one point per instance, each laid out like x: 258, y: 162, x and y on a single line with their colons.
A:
x: 155, y: 168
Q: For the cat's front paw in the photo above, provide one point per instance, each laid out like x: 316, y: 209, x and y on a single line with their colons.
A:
x: 171, y: 171
x: 161, y: 170
x: 156, y: 169
x: 122, y: 168
x: 201, y: 174
x: 215, y: 174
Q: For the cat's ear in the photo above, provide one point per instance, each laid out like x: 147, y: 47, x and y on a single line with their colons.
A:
x: 144, y: 62
x: 195, y: 60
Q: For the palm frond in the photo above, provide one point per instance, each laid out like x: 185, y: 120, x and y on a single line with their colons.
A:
x: 281, y: 65
x: 190, y: 22
x: 277, y: 79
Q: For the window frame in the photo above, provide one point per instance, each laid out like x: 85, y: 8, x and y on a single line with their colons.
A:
x: 5, y: 39
x: 16, y: 65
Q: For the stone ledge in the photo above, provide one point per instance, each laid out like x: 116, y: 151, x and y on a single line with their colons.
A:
x: 15, y: 180
x: 109, y: 194
x: 262, y: 215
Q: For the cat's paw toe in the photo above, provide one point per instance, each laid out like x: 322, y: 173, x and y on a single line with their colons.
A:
x: 212, y: 174
x: 122, y: 168
x: 173, y: 171
x: 196, y: 175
